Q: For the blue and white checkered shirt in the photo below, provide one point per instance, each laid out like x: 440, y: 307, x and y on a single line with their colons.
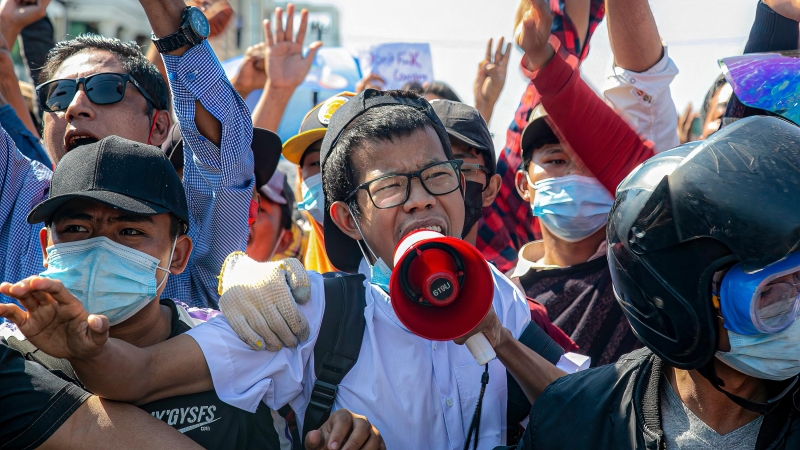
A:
x: 218, y: 183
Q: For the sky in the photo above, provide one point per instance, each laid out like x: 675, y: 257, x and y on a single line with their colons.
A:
x: 697, y: 33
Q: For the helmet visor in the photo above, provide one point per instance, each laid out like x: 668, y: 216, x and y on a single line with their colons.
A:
x: 766, y: 81
x: 775, y: 305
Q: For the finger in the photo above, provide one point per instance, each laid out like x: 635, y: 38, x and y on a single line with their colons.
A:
x: 287, y: 322
x: 540, y: 10
x: 498, y: 53
x: 98, y: 329
x: 257, y: 323
x: 506, y: 55
x: 340, y: 426
x: 360, y: 434
x: 268, y: 33
x: 279, y: 33
x: 289, y: 22
x: 312, y: 52
x: 13, y: 313
x: 55, y: 288
x: 297, y: 277
x: 375, y: 441
x: 301, y: 31
x: 314, y: 440
x: 488, y: 56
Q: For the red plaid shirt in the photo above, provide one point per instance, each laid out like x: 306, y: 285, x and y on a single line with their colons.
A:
x: 508, y: 223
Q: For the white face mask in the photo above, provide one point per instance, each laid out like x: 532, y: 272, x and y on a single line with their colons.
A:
x: 772, y: 356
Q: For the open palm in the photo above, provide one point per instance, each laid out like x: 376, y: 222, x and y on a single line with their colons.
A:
x: 55, y: 321
x: 492, y: 73
x: 283, y: 56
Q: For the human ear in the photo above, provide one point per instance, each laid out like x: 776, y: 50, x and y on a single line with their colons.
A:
x: 521, y: 182
x: 161, y: 127
x: 492, y: 189
x: 340, y: 214
x: 180, y: 257
x: 43, y: 233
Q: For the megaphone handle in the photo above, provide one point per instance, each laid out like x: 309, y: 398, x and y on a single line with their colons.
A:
x: 480, y: 348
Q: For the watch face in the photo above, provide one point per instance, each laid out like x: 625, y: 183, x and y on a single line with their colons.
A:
x: 198, y: 22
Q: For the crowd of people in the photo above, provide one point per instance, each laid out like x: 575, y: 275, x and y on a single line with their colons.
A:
x: 167, y: 282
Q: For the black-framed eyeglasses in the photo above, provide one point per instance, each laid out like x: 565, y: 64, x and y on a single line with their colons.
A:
x: 101, y: 88
x: 472, y: 172
x: 389, y: 191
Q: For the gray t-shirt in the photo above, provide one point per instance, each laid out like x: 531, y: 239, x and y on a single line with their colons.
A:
x: 684, y: 431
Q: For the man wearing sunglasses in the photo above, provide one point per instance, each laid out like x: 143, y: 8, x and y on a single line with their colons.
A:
x: 387, y: 170
x: 94, y: 87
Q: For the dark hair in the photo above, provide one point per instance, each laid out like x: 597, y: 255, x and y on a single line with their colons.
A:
x: 383, y: 123
x: 176, y: 226
x: 437, y: 88
x: 129, y: 55
x: 545, y: 137
x: 712, y: 91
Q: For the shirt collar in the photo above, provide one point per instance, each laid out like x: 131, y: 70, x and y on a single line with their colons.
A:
x: 531, y: 257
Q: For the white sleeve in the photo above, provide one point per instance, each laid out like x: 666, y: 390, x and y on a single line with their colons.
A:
x: 644, y: 100
x: 573, y: 362
x: 243, y: 377
x: 510, y: 304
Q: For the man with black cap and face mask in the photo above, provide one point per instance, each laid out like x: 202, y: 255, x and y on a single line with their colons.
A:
x: 375, y: 143
x: 471, y: 143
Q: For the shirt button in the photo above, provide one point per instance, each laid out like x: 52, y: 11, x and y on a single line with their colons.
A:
x: 172, y: 76
x: 633, y: 80
x: 435, y: 344
x: 191, y: 76
x: 449, y: 402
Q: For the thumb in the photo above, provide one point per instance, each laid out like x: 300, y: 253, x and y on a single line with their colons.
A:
x: 98, y: 328
x: 297, y: 278
x: 312, y: 51
x: 314, y: 440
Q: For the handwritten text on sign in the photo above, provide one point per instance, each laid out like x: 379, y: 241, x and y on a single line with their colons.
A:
x: 398, y: 63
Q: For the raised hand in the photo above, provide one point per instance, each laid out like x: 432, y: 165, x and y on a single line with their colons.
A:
x: 55, y: 321
x: 285, y: 65
x: 534, y: 34
x: 491, y: 78
x: 252, y: 73
x: 371, y: 81
x: 18, y: 14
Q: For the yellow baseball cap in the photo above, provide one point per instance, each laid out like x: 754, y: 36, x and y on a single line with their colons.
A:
x: 314, y: 125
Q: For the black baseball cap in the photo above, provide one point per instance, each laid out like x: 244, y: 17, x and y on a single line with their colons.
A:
x: 465, y: 123
x: 537, y: 133
x: 342, y: 250
x: 124, y: 174
x: 266, y: 147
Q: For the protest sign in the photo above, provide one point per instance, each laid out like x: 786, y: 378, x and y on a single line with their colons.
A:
x: 398, y: 63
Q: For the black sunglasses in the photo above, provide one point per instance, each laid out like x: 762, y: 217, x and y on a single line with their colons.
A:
x: 101, y: 88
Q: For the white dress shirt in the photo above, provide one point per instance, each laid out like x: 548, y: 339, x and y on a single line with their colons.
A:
x: 420, y: 394
x: 644, y: 100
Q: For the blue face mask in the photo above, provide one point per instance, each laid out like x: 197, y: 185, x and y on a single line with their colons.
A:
x: 381, y: 274
x: 572, y: 207
x: 313, y: 200
x: 108, y: 278
x: 766, y: 356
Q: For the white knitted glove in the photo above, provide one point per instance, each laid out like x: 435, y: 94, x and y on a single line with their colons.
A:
x: 260, y: 300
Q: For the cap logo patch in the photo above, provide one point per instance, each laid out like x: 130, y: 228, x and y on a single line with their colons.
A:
x: 329, y: 107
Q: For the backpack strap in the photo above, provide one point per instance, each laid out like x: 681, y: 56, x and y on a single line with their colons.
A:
x: 57, y: 366
x: 338, y: 344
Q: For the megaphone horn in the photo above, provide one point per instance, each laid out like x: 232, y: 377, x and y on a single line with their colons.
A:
x: 441, y: 289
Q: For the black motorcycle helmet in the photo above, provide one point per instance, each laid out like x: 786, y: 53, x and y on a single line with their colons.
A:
x: 685, y: 214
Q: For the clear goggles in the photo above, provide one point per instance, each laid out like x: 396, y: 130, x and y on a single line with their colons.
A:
x: 762, y: 302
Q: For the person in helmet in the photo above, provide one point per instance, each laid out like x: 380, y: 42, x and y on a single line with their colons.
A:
x: 704, y: 251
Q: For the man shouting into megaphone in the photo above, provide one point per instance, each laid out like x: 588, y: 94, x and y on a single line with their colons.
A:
x: 387, y: 170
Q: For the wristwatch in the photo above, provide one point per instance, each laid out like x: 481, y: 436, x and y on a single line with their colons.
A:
x: 194, y: 28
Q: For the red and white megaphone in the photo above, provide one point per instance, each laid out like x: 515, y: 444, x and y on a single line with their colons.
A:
x: 441, y: 289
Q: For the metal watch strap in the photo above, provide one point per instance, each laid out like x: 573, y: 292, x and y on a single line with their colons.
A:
x: 171, y: 42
